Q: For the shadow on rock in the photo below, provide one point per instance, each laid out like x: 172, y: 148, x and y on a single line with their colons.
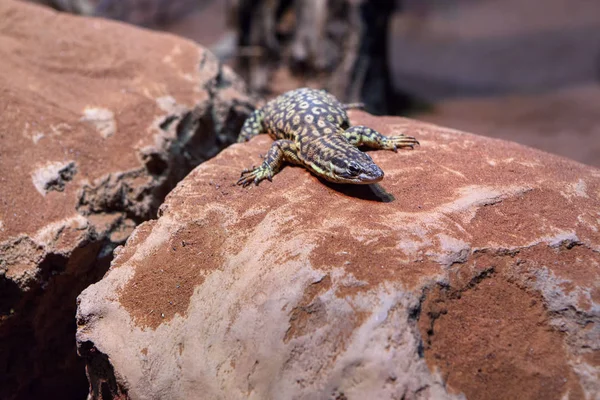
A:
x: 372, y: 192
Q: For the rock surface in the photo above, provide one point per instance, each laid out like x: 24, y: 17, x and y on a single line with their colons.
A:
x: 471, y: 270
x: 98, y: 122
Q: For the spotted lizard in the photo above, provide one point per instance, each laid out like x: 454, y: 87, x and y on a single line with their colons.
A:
x: 311, y: 128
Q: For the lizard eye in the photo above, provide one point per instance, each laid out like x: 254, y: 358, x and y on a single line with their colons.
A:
x: 353, y: 168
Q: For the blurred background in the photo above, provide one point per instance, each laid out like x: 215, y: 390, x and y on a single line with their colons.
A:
x: 526, y: 71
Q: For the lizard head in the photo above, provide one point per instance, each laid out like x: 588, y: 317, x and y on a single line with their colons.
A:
x: 344, y: 163
x: 359, y: 169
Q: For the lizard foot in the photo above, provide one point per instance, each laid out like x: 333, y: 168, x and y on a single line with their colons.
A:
x: 255, y: 175
x: 399, y: 141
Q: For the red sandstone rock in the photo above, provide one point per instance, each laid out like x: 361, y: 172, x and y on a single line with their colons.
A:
x: 473, y: 268
x: 98, y: 121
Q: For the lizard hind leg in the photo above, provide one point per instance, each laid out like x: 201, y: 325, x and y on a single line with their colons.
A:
x: 281, y: 151
x: 252, y: 126
x: 360, y: 135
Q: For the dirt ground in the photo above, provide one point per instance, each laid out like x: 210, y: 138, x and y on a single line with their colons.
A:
x: 522, y: 71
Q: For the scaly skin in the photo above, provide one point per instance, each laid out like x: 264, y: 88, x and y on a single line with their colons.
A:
x: 311, y: 128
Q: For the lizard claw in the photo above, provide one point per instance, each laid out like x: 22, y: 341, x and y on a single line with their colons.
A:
x: 403, y: 141
x: 255, y: 175
x: 245, y: 171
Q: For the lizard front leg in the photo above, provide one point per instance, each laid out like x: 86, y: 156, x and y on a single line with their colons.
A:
x: 360, y: 135
x: 252, y: 126
x: 280, y: 151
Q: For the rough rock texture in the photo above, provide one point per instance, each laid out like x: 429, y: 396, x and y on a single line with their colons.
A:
x: 472, y: 268
x: 98, y: 121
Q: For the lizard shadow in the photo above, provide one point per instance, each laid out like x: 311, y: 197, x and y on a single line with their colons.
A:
x: 372, y: 192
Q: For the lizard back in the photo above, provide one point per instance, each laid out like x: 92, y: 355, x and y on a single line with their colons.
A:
x: 304, y: 114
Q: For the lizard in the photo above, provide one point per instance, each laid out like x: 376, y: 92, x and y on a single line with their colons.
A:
x: 310, y: 128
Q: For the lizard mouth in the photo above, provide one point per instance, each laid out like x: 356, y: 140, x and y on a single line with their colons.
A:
x: 372, y: 175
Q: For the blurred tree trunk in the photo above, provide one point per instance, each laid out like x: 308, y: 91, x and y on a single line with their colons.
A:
x: 339, y: 45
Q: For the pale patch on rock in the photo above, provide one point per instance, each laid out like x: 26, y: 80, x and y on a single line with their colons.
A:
x: 530, y: 163
x: 578, y: 188
x: 557, y: 239
x: 168, y: 59
x: 102, y: 119
x: 409, y: 246
x: 49, y: 234
x: 36, y: 137
x: 174, y: 114
x: 560, y: 301
x: 171, y: 60
x: 526, y: 163
x: 591, y: 372
x: 560, y: 238
x: 452, y: 250
x: 166, y: 103
x: 60, y: 129
x: 457, y: 173
x: 591, y: 222
x: 473, y: 197
x: 53, y: 176
x: 551, y: 286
